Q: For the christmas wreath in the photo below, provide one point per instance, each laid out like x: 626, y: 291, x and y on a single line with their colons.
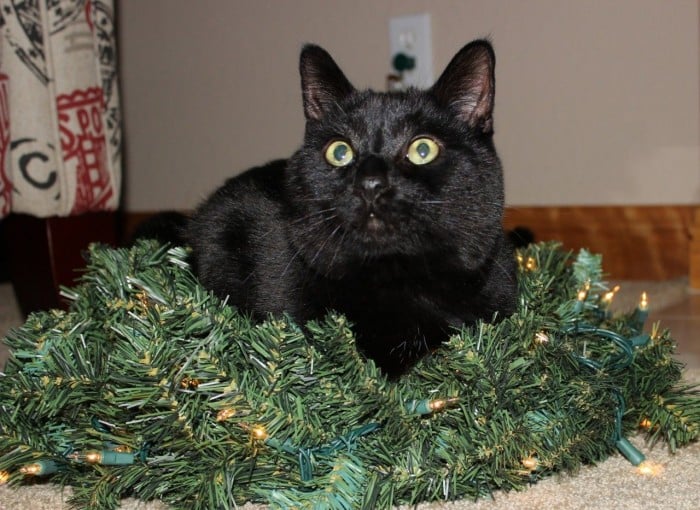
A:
x: 150, y: 386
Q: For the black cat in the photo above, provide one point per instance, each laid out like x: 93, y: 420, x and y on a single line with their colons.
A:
x: 390, y: 213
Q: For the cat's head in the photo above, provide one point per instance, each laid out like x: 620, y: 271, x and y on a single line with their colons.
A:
x: 397, y: 173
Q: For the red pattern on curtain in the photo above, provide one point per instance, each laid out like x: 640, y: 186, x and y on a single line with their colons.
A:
x: 60, y: 127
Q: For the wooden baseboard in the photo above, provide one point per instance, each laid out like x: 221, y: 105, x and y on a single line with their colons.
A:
x: 694, y: 251
x: 637, y: 242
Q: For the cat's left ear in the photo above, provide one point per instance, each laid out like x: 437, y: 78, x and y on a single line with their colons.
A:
x: 323, y: 84
x: 468, y: 85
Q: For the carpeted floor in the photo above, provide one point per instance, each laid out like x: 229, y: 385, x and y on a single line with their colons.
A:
x: 614, y: 483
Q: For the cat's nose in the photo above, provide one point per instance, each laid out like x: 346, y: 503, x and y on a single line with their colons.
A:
x: 373, y: 184
x: 371, y: 179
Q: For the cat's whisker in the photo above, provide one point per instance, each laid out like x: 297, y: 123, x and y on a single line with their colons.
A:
x: 310, y: 225
x: 312, y: 199
x: 315, y: 213
x: 307, y: 217
x: 320, y: 222
x: 291, y: 259
x: 338, y: 247
x: 320, y: 211
x: 304, y: 244
x: 323, y: 245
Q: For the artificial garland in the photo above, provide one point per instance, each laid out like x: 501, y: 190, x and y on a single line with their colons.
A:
x: 152, y: 387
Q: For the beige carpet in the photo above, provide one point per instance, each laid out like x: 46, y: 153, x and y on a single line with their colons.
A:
x: 613, y: 484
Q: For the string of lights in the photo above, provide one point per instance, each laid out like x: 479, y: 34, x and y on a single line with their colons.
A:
x: 150, y: 386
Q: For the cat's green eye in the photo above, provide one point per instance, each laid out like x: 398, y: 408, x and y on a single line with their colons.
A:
x: 422, y: 151
x: 339, y: 153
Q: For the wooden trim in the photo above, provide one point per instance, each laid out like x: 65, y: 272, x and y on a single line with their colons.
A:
x: 637, y: 242
x: 694, y: 251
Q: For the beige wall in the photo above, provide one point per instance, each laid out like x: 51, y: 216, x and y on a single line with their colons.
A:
x: 597, y: 101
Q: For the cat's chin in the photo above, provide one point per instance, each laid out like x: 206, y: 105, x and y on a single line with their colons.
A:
x: 375, y: 235
x: 374, y: 225
x: 378, y: 242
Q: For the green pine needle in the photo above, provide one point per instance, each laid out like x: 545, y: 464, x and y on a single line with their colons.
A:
x: 217, y: 409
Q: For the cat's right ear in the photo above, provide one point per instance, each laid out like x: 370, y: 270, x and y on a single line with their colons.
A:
x: 323, y: 84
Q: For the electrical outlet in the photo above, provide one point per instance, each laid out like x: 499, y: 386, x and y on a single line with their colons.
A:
x: 410, y: 36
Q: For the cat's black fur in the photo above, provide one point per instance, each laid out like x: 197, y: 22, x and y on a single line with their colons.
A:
x: 408, y: 252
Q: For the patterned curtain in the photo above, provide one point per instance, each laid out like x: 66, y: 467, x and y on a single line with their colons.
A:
x: 60, y: 121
